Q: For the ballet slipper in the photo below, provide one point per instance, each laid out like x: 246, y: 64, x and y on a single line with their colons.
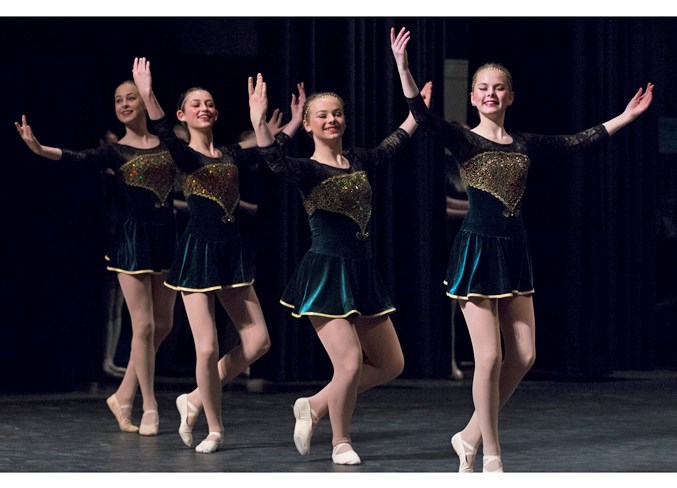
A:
x: 466, y: 453
x: 186, y: 410
x: 343, y: 454
x: 496, y: 467
x: 305, y: 425
x: 150, y: 429
x: 124, y: 423
x: 208, y: 445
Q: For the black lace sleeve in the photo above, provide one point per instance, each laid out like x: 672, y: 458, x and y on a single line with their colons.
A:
x: 185, y: 158
x: 290, y: 168
x: 451, y: 134
x: 544, y: 144
x: 99, y: 157
x: 389, y: 147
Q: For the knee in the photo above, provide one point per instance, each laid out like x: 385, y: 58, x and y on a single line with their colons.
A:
x: 206, y: 353
x: 488, y: 362
x: 143, y: 329
x: 350, y: 367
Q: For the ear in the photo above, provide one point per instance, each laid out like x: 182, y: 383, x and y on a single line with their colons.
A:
x: 511, y: 98
x: 216, y: 117
x: 306, y: 126
x: 180, y: 115
x: 472, y: 99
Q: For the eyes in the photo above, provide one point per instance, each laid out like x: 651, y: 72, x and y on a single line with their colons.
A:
x: 129, y: 98
x: 198, y: 104
x: 486, y: 87
x: 324, y: 115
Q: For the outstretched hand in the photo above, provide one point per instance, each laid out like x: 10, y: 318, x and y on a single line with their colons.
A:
x: 640, y: 102
x: 398, y: 44
x: 427, y: 93
x: 27, y: 135
x: 142, y: 76
x: 258, y: 100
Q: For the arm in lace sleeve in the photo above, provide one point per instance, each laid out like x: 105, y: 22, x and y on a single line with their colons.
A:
x: 184, y: 157
x: 566, y: 143
x: 99, y: 157
x: 290, y: 168
x: 389, y: 147
x: 451, y: 134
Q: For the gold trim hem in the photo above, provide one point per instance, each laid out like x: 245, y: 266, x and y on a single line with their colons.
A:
x: 316, y: 314
x: 211, y: 288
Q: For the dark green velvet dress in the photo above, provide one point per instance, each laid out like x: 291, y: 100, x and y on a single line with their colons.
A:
x: 490, y: 255
x: 337, y: 277
x: 209, y: 255
x: 144, y: 237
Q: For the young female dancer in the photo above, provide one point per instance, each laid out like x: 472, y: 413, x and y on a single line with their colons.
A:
x: 336, y: 285
x: 143, y: 245
x: 209, y: 264
x: 490, y: 266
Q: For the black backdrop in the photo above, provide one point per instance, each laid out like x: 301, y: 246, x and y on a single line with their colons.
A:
x: 599, y: 222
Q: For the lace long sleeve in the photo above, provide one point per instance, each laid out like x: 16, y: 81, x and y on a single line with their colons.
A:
x: 98, y: 158
x: 567, y: 143
x: 389, y: 147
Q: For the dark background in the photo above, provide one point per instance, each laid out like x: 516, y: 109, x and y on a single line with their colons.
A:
x: 601, y: 223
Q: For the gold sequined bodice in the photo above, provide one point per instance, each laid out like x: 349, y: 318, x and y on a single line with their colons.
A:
x: 154, y: 172
x: 501, y: 174
x: 217, y: 182
x: 348, y: 195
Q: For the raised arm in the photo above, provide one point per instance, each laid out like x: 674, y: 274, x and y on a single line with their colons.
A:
x: 258, y: 106
x: 398, y: 44
x: 144, y: 83
x: 410, y: 124
x: 26, y: 133
x: 636, y: 107
x: 274, y: 124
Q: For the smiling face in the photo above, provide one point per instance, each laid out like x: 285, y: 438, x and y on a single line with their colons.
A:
x: 324, y: 117
x: 198, y: 110
x: 128, y: 104
x: 492, y: 90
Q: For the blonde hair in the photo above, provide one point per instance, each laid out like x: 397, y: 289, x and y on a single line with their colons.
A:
x: 495, y: 67
x: 315, y: 96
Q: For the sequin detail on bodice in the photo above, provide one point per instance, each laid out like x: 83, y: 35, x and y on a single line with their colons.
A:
x: 348, y: 195
x: 217, y: 182
x: 501, y: 174
x: 154, y: 172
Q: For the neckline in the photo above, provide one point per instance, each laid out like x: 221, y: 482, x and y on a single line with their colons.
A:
x: 350, y: 165
x: 492, y: 141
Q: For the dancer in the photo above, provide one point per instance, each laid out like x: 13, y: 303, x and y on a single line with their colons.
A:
x: 209, y: 265
x: 490, y: 266
x: 143, y: 247
x: 336, y: 285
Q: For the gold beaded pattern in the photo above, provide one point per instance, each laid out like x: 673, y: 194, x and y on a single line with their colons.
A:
x: 502, y: 174
x: 348, y: 195
x: 154, y: 172
x: 217, y: 182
